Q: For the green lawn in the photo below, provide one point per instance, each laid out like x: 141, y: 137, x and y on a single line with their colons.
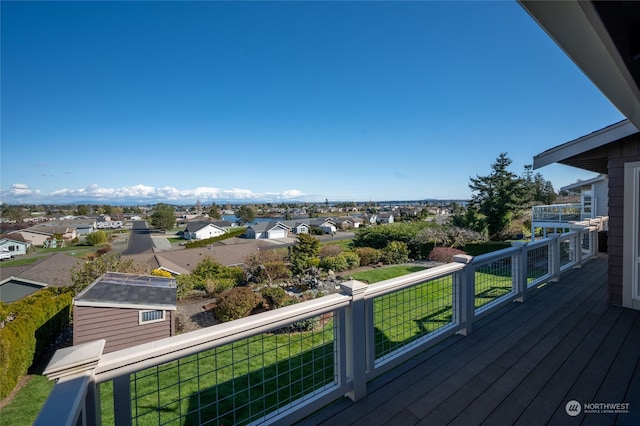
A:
x: 232, y: 384
x: 380, y: 274
x: 26, y: 405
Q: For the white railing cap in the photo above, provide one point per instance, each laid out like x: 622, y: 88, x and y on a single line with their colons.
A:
x: 74, y: 359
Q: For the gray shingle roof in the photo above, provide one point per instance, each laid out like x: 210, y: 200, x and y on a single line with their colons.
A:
x: 117, y: 290
x: 54, y: 270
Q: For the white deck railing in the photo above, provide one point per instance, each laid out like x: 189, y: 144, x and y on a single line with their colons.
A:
x: 264, y: 370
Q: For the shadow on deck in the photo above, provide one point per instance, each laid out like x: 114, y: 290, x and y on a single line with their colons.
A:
x: 521, y: 365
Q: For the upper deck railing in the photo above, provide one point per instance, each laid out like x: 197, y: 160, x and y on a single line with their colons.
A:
x: 280, y: 366
x: 557, y: 213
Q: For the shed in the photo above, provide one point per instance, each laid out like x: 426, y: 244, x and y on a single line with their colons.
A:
x: 125, y: 310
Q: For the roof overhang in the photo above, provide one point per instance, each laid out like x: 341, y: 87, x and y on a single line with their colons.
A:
x: 570, y: 153
x: 603, y: 39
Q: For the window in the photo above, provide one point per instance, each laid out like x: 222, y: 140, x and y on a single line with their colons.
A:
x: 147, y: 317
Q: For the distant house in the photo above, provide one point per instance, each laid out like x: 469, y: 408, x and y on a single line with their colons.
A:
x: 201, y: 230
x: 37, y: 235
x: 372, y: 219
x: 267, y: 230
x: 125, y: 310
x: 326, y: 225
x: 384, y: 218
x: 296, y: 226
x: 348, y: 222
x: 20, y: 281
x: 12, y: 288
x: 594, y: 196
x: 15, y: 247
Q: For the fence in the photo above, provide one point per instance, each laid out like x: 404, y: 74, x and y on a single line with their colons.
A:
x: 280, y: 366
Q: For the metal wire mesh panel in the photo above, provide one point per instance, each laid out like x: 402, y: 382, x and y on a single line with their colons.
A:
x: 538, y: 265
x: 493, y: 281
x: 587, y: 245
x: 246, y: 381
x: 567, y: 255
x: 404, y: 318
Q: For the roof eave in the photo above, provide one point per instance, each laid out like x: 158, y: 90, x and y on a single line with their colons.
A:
x: 585, y: 143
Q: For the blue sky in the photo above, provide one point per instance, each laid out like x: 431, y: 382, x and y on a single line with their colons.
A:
x: 119, y: 102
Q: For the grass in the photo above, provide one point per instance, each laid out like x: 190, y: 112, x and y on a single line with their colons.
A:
x: 380, y: 274
x: 233, y: 384
x: 26, y: 405
x: 345, y: 244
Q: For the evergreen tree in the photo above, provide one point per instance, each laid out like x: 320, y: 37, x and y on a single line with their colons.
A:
x: 245, y: 214
x: 163, y: 217
x: 497, y: 196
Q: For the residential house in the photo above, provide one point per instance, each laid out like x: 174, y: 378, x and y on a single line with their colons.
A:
x: 201, y: 230
x: 384, y: 218
x: 15, y: 245
x: 37, y: 235
x: 267, y: 230
x: 125, y: 310
x: 348, y: 222
x: 296, y: 226
x: 20, y: 281
x: 594, y: 198
x: 326, y: 225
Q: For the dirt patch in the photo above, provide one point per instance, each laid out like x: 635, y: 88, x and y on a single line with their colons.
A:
x: 192, y: 314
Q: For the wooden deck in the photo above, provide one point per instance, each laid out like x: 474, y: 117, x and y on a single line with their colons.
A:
x: 520, y: 366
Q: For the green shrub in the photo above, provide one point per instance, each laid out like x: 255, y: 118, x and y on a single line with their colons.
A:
x: 368, y: 255
x: 97, y: 238
x: 203, y: 243
x: 352, y: 258
x: 335, y: 263
x: 395, y: 252
x: 476, y: 249
x: 308, y: 324
x: 444, y: 254
x: 275, y: 296
x: 29, y: 326
x: 235, y: 303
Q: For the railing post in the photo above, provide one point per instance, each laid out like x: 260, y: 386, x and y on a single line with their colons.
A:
x: 578, y: 250
x: 356, y: 335
x: 520, y: 270
x: 464, y: 295
x: 554, y: 258
x: 74, y: 397
x: 122, y: 400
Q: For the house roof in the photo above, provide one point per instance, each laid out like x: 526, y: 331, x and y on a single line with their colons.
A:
x: 580, y: 184
x: 197, y: 225
x: 570, y: 153
x: 267, y: 226
x: 54, y: 270
x: 16, y: 238
x: 601, y: 39
x: 129, y: 291
x: 185, y: 261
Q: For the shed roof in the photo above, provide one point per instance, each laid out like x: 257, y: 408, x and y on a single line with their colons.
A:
x: 135, y: 291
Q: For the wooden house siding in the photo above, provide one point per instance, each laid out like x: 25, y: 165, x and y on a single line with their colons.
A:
x: 118, y: 326
x: 618, y: 153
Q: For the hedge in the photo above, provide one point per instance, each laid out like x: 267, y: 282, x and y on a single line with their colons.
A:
x: 476, y: 249
x: 29, y: 325
x: 204, y: 243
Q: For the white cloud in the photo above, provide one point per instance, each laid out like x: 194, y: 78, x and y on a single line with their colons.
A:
x: 21, y: 193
